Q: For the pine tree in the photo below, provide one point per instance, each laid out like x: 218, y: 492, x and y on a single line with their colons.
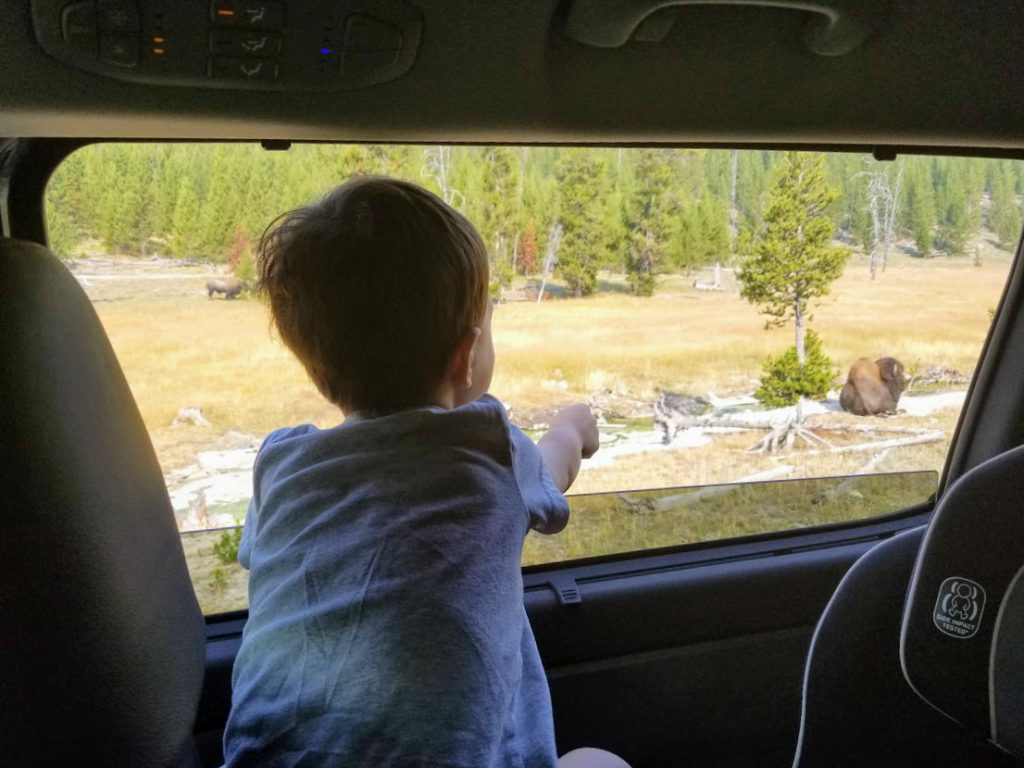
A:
x: 1004, y: 213
x: 501, y: 211
x: 128, y: 180
x: 219, y: 216
x: 713, y: 220
x: 920, y: 206
x: 958, y: 202
x: 795, y: 261
x: 581, y: 184
x: 261, y: 203
x: 185, y: 230
x: 649, y: 214
x: 64, y: 206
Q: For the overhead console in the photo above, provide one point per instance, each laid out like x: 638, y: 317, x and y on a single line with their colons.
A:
x: 312, y: 45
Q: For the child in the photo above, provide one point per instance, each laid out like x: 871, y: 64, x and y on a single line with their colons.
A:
x: 386, y: 620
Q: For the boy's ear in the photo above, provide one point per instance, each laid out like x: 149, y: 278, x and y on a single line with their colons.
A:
x: 460, y: 367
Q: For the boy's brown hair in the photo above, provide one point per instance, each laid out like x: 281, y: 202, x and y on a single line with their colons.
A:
x: 372, y: 287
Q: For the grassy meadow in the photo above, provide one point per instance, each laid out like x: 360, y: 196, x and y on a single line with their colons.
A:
x: 180, y: 349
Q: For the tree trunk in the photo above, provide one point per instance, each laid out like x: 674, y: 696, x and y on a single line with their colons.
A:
x: 798, y: 316
x: 890, y: 219
x: 554, y: 240
x: 734, y: 217
x: 522, y: 173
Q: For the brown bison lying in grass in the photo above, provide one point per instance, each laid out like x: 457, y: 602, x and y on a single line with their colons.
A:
x: 873, y: 386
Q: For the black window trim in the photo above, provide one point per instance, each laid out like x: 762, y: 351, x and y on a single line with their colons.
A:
x: 981, y: 432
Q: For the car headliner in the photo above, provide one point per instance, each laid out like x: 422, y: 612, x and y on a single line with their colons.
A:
x: 931, y: 73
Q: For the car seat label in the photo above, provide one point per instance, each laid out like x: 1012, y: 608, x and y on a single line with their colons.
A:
x: 959, y: 607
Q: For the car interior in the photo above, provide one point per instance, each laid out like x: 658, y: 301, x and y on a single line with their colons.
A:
x: 837, y: 644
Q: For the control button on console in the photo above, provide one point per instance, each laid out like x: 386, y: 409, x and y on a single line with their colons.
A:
x: 357, y: 64
x: 117, y: 16
x: 362, y: 31
x: 242, y: 69
x: 78, y: 26
x: 250, y: 14
x: 238, y: 42
x: 122, y: 50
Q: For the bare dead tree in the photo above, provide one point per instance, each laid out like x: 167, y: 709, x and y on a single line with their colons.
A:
x: 883, y: 205
x: 437, y: 166
x: 734, y: 214
x: 551, y: 257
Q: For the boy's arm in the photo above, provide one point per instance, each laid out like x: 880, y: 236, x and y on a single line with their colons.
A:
x: 573, y: 436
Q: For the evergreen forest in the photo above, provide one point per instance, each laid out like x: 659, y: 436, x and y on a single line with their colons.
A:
x: 567, y: 211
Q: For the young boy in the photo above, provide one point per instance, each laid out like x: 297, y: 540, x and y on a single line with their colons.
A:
x: 386, y: 621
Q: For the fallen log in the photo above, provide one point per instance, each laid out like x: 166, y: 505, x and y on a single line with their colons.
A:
x: 926, y: 437
x: 695, y: 496
x: 848, y: 485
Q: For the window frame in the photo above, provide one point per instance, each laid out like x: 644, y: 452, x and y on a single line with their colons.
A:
x: 990, y: 422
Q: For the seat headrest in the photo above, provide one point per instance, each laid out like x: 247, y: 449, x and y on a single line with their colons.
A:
x: 962, y: 640
x: 101, y: 638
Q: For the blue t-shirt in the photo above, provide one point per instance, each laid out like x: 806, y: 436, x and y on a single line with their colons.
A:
x: 386, y: 620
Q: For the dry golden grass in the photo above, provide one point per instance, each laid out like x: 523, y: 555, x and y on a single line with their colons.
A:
x: 180, y: 349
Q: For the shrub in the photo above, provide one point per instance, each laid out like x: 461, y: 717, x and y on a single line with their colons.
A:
x: 226, y: 548
x: 246, y: 269
x: 219, y: 582
x: 784, y: 381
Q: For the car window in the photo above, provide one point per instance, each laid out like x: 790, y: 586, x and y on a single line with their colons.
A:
x: 739, y: 321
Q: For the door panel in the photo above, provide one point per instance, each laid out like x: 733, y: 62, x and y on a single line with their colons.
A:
x: 700, y: 665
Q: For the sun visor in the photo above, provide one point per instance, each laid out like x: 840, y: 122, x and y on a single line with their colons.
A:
x: 962, y: 643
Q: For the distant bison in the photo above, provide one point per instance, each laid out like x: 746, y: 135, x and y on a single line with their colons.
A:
x: 229, y: 286
x: 873, y: 386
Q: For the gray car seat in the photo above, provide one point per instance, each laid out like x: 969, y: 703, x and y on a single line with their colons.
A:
x: 101, y: 637
x: 943, y: 604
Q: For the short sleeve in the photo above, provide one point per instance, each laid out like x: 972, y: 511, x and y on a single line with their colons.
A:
x: 249, y: 528
x: 547, y: 507
x: 245, y: 545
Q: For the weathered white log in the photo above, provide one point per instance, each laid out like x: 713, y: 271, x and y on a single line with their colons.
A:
x: 677, y: 500
x: 847, y: 485
x: 784, y: 436
x: 927, y: 437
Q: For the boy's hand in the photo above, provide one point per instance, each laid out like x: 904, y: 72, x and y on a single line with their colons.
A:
x: 573, y: 436
x: 580, y: 418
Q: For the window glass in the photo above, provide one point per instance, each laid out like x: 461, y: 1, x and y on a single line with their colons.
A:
x: 690, y: 296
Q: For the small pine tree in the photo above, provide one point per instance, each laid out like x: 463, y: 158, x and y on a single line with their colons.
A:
x: 785, y: 380
x: 237, y: 249
x: 794, y: 261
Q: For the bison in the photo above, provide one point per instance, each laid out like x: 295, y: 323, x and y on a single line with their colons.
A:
x: 229, y: 286
x: 873, y: 386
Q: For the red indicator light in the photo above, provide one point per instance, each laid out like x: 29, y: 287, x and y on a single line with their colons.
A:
x: 158, y: 51
x: 158, y: 39
x: 225, y: 12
